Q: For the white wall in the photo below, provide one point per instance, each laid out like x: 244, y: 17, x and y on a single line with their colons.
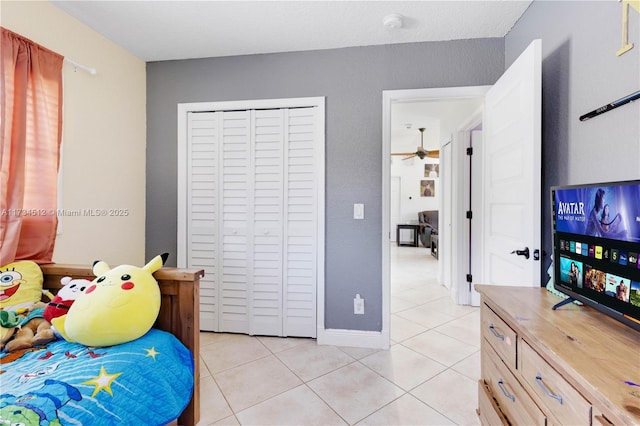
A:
x: 581, y: 72
x: 411, y: 172
x: 104, y: 136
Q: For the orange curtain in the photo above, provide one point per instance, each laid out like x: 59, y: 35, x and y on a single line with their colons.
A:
x: 31, y: 126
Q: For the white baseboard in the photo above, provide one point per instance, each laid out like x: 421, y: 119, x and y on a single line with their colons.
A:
x: 354, y: 338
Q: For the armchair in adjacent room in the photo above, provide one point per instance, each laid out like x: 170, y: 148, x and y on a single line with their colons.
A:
x: 428, y: 222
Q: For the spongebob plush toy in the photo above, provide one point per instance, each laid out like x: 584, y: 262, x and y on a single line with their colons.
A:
x: 119, y: 306
x: 20, y: 285
x: 20, y: 290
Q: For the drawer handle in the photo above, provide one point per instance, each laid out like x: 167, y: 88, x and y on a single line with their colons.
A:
x: 504, y: 391
x: 545, y: 390
x: 495, y: 333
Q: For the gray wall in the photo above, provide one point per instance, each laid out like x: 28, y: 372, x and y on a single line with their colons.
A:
x: 352, y: 80
x: 581, y: 72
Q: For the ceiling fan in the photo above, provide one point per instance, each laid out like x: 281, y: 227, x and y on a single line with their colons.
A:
x: 421, y: 152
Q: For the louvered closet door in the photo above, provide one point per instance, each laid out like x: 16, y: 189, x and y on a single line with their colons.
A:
x: 252, y: 219
x: 266, y: 302
x: 202, y: 210
x: 283, y: 301
x: 235, y: 205
x: 301, y: 223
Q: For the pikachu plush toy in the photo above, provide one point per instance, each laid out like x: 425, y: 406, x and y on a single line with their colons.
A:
x: 119, y: 306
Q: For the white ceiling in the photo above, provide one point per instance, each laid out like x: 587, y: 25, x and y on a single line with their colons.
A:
x: 163, y: 30
x: 171, y: 30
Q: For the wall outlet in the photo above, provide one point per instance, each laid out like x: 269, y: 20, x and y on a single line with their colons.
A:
x: 358, y: 305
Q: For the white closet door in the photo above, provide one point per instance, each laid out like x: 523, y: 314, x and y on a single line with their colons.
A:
x: 268, y: 149
x: 236, y: 187
x: 252, y: 219
x: 301, y: 223
x: 202, y: 210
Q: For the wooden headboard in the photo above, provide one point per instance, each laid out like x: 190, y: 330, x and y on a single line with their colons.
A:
x: 179, y: 313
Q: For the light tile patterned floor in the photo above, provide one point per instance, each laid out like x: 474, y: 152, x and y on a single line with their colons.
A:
x: 428, y: 376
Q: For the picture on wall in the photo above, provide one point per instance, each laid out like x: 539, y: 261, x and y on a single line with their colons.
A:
x: 427, y: 188
x: 432, y: 170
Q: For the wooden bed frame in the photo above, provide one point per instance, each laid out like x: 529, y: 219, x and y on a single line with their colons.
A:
x: 179, y: 313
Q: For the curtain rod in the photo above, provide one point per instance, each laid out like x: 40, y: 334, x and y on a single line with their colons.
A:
x: 76, y: 65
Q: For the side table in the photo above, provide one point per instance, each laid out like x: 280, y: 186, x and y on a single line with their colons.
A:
x: 416, y: 231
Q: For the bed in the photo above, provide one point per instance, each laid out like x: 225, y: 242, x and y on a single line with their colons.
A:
x: 178, y: 319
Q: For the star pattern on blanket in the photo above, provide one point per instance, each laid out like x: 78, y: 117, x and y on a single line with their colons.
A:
x: 102, y: 382
x: 152, y: 352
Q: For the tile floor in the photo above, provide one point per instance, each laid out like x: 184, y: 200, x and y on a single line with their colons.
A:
x: 428, y: 376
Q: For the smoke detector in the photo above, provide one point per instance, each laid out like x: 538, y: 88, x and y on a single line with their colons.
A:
x: 393, y: 21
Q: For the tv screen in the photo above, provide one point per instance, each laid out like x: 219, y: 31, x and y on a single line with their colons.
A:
x: 596, y: 243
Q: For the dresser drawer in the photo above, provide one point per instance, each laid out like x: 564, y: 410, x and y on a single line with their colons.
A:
x: 558, y: 396
x: 514, y: 401
x: 488, y: 410
x: 499, y: 335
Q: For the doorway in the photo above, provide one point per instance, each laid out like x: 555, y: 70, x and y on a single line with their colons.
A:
x: 511, y: 174
x: 451, y: 175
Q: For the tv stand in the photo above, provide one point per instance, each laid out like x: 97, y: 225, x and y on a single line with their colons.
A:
x: 564, y: 302
x: 572, y: 366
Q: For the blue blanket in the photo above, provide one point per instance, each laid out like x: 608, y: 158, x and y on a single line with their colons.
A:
x: 148, y: 381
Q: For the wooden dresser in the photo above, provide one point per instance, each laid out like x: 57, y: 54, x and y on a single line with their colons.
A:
x: 571, y: 366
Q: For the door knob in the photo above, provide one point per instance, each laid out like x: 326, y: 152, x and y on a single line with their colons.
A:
x: 524, y: 252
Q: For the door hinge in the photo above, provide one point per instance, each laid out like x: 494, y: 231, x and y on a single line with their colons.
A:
x: 469, y: 214
x: 469, y: 278
x: 470, y: 151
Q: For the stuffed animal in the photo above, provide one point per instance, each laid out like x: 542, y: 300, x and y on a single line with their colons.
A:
x: 32, y: 331
x: 65, y: 297
x: 119, y: 306
x: 20, y: 285
x: 20, y: 291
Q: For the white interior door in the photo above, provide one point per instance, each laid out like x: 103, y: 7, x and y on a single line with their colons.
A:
x: 511, y: 183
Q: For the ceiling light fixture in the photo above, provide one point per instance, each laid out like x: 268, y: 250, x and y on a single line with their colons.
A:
x: 393, y: 21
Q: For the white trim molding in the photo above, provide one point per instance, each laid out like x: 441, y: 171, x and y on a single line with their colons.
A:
x: 353, y: 338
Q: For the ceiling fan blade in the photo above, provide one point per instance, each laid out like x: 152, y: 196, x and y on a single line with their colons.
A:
x: 420, y: 152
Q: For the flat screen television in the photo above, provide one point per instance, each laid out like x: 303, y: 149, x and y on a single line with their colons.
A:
x: 596, y: 244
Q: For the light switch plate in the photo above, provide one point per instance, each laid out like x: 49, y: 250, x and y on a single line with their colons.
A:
x: 358, y: 211
x: 358, y: 305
